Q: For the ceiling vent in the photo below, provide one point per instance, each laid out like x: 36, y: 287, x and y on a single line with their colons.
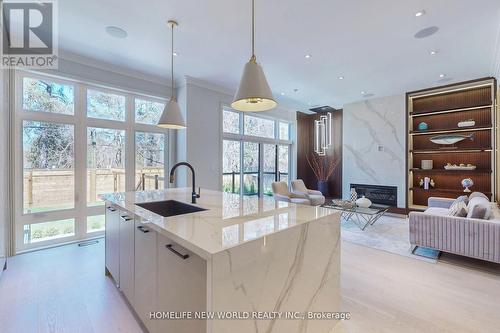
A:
x: 323, y: 109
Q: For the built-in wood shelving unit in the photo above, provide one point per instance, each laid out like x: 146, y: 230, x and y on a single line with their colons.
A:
x: 442, y: 109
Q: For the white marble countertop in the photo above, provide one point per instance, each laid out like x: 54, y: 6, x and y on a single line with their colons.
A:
x: 230, y: 219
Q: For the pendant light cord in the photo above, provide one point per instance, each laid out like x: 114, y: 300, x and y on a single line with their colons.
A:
x: 172, y: 65
x: 253, y: 30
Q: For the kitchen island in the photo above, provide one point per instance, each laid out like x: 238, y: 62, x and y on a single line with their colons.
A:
x: 253, y: 264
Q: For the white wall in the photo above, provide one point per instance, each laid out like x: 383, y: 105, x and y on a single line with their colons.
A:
x: 202, y: 140
x: 374, y: 144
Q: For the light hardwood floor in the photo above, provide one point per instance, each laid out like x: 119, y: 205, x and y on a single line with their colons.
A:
x: 64, y: 290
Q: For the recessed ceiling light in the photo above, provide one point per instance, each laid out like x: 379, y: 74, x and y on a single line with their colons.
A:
x: 282, y: 94
x: 363, y: 92
x: 307, y: 56
x: 433, y: 52
x: 341, y: 77
x: 116, y: 32
x: 175, y: 54
x: 420, y: 13
x: 442, y: 75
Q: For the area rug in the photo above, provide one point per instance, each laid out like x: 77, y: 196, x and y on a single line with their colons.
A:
x: 389, y: 233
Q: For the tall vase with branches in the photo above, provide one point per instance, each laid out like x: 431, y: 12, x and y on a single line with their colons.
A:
x: 323, y: 167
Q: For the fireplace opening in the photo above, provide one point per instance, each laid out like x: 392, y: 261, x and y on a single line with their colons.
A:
x: 378, y: 194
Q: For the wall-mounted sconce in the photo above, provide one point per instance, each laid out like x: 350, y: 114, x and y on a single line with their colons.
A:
x: 323, y: 134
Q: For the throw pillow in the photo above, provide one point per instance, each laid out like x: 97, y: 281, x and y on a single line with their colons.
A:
x: 463, y: 198
x: 484, y: 210
x: 458, y: 209
x: 477, y: 195
x: 478, y: 212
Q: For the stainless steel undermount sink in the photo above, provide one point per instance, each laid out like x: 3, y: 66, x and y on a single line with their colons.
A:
x: 169, y: 208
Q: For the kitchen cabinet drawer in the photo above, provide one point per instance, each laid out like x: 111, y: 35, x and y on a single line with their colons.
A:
x: 146, y: 263
x: 182, y: 279
x: 113, y: 242
x: 127, y: 235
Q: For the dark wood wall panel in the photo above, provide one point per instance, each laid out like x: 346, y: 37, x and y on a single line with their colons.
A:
x: 439, y: 122
x: 482, y: 160
x: 480, y: 140
x: 305, y: 145
x: 453, y: 100
x: 452, y: 180
x: 462, y: 101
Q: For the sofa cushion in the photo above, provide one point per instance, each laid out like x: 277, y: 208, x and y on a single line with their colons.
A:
x: 479, y: 207
x: 437, y: 211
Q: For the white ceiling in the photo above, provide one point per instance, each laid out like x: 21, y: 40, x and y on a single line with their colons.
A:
x: 368, y: 42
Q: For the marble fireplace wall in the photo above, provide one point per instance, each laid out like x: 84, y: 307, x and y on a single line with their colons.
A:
x: 374, y: 144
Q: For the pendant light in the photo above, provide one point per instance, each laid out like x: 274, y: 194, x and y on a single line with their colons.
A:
x: 172, y: 116
x: 253, y: 93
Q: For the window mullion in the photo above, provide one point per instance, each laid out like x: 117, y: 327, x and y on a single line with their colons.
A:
x: 80, y: 159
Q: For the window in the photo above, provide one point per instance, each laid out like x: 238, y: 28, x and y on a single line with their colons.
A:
x: 231, y: 151
x: 284, y: 160
x: 48, y: 159
x: 74, y: 150
x: 261, y: 127
x: 47, y: 96
x: 261, y: 146
x: 231, y: 122
x: 105, y: 163
x: 96, y: 223
x: 45, y: 231
x: 284, y: 131
x: 148, y: 112
x: 269, y: 171
x: 105, y: 106
x: 149, y: 160
x: 251, y: 168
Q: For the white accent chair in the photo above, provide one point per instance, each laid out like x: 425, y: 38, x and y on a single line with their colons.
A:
x: 315, y: 197
x: 281, y: 193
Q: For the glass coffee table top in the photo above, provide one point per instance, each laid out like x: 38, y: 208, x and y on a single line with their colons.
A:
x: 361, y: 216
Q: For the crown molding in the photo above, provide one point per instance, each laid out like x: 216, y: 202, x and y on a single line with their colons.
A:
x: 208, y: 85
x: 108, y: 67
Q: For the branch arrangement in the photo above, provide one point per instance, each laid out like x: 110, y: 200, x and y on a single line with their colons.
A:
x: 322, y: 166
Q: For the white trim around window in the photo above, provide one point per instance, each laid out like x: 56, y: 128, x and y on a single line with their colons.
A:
x: 242, y: 137
x: 80, y: 123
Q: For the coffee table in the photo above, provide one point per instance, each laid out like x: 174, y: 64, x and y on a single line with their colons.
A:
x: 360, y: 216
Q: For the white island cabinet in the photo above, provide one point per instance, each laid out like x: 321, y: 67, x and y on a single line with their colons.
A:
x: 146, y: 266
x: 266, y: 262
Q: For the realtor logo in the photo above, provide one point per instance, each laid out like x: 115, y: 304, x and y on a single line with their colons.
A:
x: 29, y: 38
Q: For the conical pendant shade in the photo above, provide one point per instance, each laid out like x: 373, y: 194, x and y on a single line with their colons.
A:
x: 172, y: 116
x: 253, y: 93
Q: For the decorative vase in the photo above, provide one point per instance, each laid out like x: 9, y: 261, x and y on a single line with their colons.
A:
x: 466, y: 183
x: 354, y: 195
x: 363, y: 202
x: 423, y: 126
x: 323, y: 187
